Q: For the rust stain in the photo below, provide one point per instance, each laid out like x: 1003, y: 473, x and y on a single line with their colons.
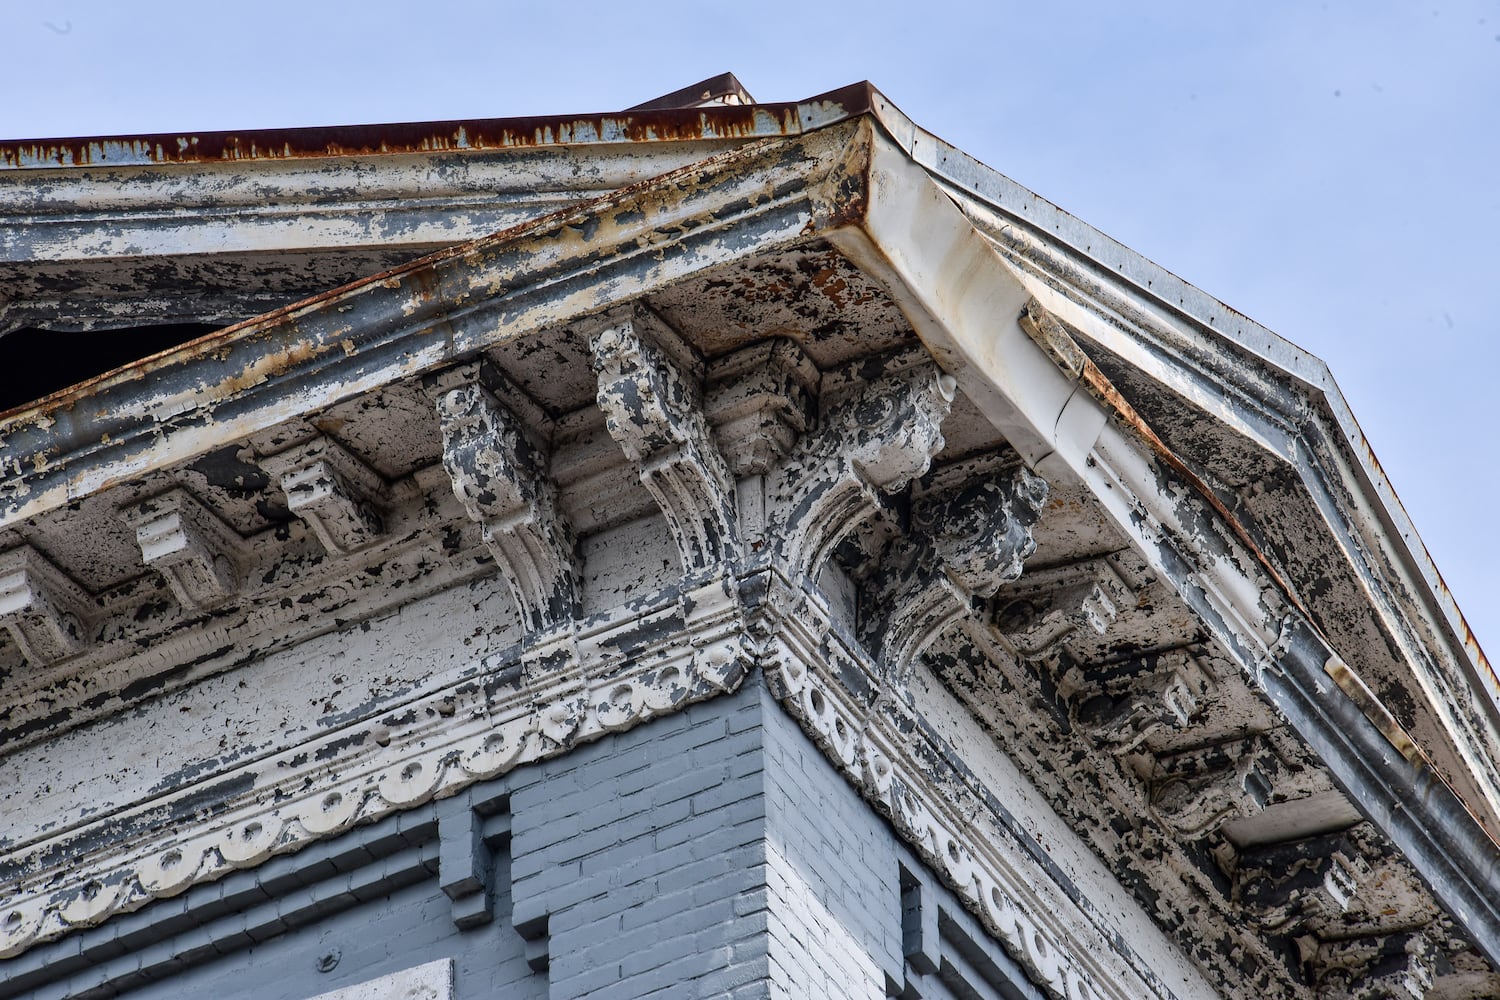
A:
x: 1067, y: 355
x: 264, y: 368
x: 1352, y: 685
x: 1358, y: 692
x: 638, y: 126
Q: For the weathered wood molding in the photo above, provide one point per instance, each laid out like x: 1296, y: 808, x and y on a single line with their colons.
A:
x: 41, y: 607
x: 290, y: 592
x: 1282, y: 883
x: 333, y: 491
x: 655, y: 411
x: 195, y: 553
x: 873, y: 441
x: 501, y: 479
x: 1163, y: 699
x: 1249, y: 791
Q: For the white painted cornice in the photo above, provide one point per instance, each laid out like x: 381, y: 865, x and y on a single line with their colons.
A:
x: 865, y: 185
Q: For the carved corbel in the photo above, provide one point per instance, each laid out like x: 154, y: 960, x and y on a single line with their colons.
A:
x: 1125, y: 703
x: 655, y: 413
x: 500, y: 478
x: 873, y: 441
x: 1047, y: 609
x: 1399, y: 966
x: 188, y: 545
x: 964, y: 544
x: 332, y: 491
x: 1283, y: 881
x: 40, y: 606
x: 1195, y: 791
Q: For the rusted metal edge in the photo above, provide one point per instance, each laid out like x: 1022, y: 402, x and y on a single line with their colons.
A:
x: 305, y: 356
x: 639, y: 125
x: 725, y: 87
x: 1049, y: 334
x: 1447, y: 626
x: 1420, y: 802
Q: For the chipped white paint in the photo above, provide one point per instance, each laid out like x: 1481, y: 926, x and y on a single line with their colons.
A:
x: 40, y: 606
x: 332, y: 490
x: 193, y: 550
x: 940, y: 555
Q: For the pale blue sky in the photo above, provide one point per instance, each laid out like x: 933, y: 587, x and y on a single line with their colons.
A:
x: 1328, y: 168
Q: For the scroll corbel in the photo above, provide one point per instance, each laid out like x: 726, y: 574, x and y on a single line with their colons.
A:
x: 189, y: 546
x: 655, y: 413
x: 500, y: 478
x: 1050, y: 610
x: 872, y: 442
x: 1400, y: 965
x: 965, y: 543
x: 40, y: 606
x: 332, y: 491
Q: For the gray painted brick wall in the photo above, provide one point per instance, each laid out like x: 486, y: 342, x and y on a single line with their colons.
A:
x: 645, y: 856
x: 713, y: 852
x: 833, y: 874
x: 403, y: 928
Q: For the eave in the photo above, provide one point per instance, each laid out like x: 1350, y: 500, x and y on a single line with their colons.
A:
x: 863, y: 180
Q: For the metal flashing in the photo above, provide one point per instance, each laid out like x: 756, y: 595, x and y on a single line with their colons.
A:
x: 642, y: 124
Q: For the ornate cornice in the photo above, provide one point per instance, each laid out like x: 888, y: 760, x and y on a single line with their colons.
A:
x: 41, y: 606
x: 871, y: 732
x: 561, y: 687
x: 219, y: 601
x: 836, y: 469
x: 967, y: 539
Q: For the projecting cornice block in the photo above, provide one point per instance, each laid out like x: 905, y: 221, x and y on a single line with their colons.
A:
x: 40, y: 606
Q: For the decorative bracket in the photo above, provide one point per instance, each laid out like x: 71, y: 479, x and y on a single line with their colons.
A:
x: 1042, y: 614
x: 188, y: 545
x: 966, y: 542
x: 500, y: 479
x: 1282, y: 881
x: 332, y: 491
x: 875, y: 440
x: 40, y: 606
x: 1399, y: 966
x: 656, y: 414
x: 1195, y: 791
x: 1124, y: 703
